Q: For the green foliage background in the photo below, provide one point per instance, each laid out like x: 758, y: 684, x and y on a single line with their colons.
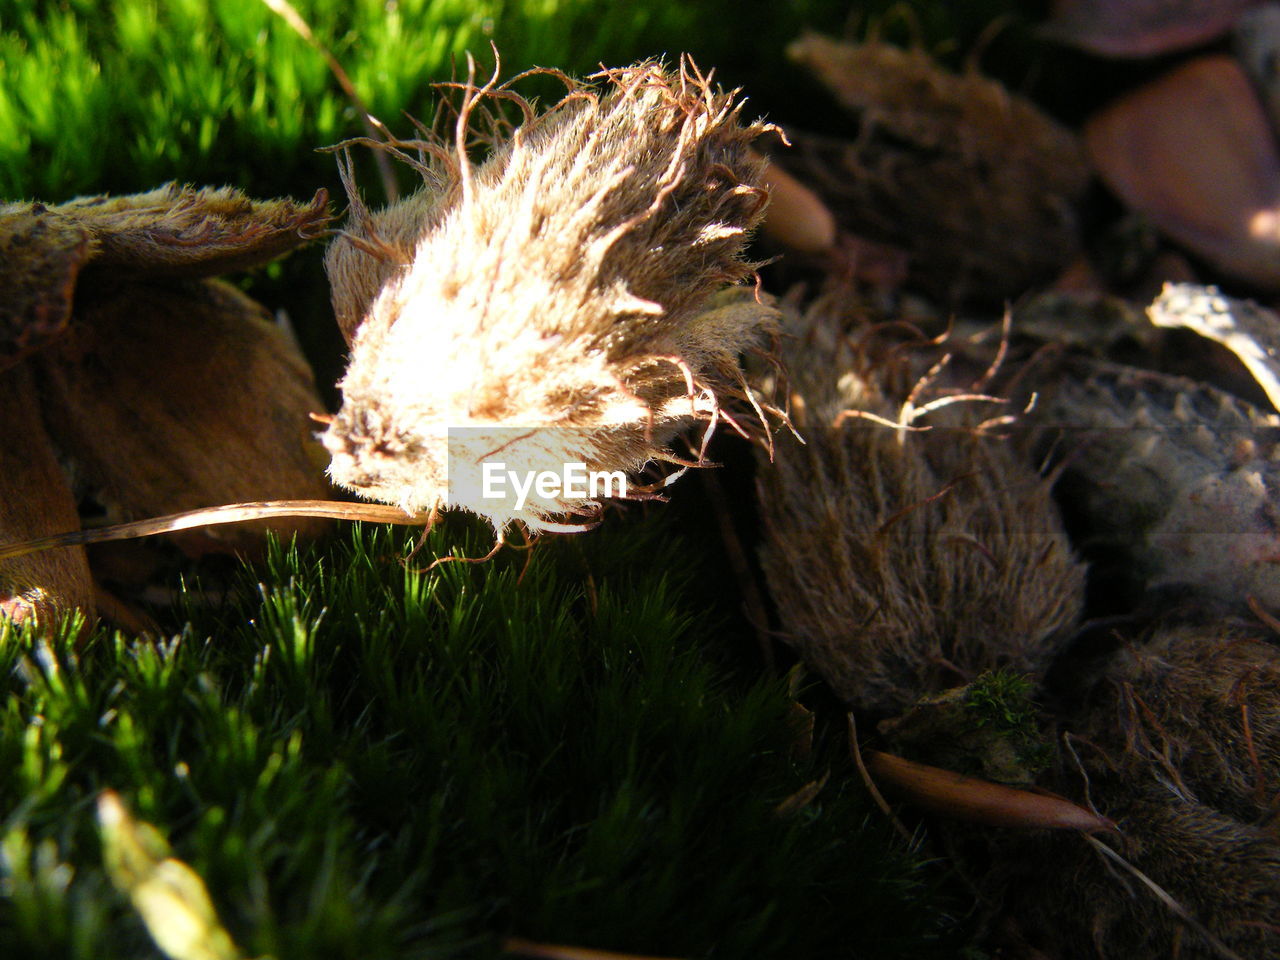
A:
x: 362, y: 760
x: 120, y: 96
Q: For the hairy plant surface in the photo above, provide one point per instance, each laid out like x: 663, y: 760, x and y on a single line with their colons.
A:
x: 905, y: 562
x: 550, y: 305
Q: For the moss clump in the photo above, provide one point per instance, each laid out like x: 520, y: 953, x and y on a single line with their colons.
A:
x: 988, y: 728
x: 1003, y: 701
x: 364, y: 761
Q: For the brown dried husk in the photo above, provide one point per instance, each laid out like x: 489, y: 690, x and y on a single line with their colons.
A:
x: 157, y: 415
x: 1172, y: 481
x: 158, y: 389
x: 35, y: 498
x: 1194, y: 710
x: 561, y: 290
x: 1178, y: 741
x: 904, y: 562
x: 1071, y: 901
x: 974, y: 182
x: 172, y: 231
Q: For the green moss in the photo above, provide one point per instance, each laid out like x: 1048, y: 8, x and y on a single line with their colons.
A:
x: 123, y: 95
x: 364, y: 760
x: 1003, y: 701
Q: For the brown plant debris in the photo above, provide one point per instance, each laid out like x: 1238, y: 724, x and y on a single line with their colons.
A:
x: 1141, y: 28
x: 1209, y: 887
x: 1172, y: 480
x: 903, y: 561
x: 1192, y: 712
x: 974, y: 182
x: 34, y: 499
x: 1174, y: 736
x: 159, y: 389
x: 172, y: 231
x: 557, y: 302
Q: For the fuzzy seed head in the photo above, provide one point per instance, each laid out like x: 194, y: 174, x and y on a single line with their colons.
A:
x: 902, y: 561
x: 558, y: 296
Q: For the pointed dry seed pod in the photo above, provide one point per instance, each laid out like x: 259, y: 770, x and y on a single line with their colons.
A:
x: 551, y: 304
x: 982, y: 801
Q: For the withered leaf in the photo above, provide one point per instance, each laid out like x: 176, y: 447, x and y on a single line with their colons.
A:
x: 41, y: 254
x: 184, y: 231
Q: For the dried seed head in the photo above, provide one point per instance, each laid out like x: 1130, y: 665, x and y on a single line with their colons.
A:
x: 553, y: 303
x: 903, y: 561
x: 1193, y: 713
x: 974, y: 182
